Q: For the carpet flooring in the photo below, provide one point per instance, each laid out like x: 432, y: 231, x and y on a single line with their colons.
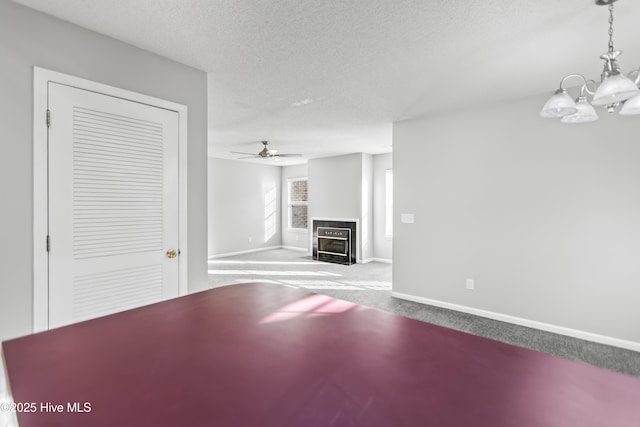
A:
x: 370, y: 285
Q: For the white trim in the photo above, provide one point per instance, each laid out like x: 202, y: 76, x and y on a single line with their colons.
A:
x: 248, y: 251
x: 561, y: 330
x: 41, y: 78
x: 383, y: 260
x: 294, y: 248
x: 290, y: 205
x: 358, y: 233
x: 40, y: 210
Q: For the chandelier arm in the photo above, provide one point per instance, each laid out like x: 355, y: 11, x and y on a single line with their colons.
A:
x: 585, y: 87
x: 636, y: 80
x: 584, y: 81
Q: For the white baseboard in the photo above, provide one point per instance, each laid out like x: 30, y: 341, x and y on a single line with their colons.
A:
x: 295, y: 248
x: 368, y: 260
x: 587, y: 336
x: 249, y: 251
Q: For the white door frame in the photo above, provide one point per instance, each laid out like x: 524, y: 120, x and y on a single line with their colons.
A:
x: 41, y: 78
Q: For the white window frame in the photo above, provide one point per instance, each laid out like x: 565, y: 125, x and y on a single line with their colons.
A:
x: 291, y: 203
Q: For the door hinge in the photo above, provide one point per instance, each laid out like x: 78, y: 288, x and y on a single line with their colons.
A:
x: 48, y: 243
x: 48, y: 118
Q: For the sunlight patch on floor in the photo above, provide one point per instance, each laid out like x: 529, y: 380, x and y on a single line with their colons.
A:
x: 376, y: 285
x: 214, y: 262
x: 311, y: 306
x: 319, y: 284
x: 272, y: 273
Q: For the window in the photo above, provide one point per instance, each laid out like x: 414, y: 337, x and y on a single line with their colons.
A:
x: 298, y: 203
x: 388, y: 203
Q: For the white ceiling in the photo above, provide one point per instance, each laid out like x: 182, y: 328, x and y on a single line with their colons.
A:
x: 326, y: 77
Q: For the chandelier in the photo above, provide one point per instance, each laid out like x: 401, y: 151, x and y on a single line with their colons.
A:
x: 614, y: 89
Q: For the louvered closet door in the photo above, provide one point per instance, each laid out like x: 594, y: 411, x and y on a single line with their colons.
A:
x: 113, y: 204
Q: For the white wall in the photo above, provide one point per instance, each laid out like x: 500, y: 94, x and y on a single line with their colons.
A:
x: 341, y: 187
x: 335, y: 186
x: 29, y: 38
x: 244, y: 206
x: 297, y: 239
x: 382, y: 245
x: 545, y: 217
x: 366, y: 208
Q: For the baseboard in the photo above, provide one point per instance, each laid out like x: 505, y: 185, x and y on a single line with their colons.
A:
x: 249, y: 251
x: 295, y: 248
x: 368, y: 260
x: 561, y: 330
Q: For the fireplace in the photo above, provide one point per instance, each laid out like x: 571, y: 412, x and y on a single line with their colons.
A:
x: 334, y: 241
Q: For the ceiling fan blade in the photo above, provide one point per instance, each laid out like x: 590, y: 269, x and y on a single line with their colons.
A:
x: 265, y: 153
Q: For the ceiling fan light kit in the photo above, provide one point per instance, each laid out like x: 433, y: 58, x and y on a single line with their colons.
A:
x: 614, y: 89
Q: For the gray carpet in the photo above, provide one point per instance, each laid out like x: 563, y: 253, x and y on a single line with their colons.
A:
x: 370, y: 285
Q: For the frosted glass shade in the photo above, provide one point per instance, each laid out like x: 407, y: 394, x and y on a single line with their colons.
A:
x: 586, y: 113
x: 560, y: 104
x: 631, y: 106
x: 615, y: 88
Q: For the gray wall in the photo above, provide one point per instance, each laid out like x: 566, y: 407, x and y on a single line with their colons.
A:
x: 341, y: 187
x: 239, y: 209
x: 292, y: 238
x: 28, y: 39
x: 544, y: 217
x: 382, y: 245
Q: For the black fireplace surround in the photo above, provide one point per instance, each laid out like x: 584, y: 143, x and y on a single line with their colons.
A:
x: 349, y: 225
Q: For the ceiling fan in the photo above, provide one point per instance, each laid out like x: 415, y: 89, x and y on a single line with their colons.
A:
x: 266, y: 153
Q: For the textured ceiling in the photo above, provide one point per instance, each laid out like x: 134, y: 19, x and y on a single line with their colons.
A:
x: 329, y: 77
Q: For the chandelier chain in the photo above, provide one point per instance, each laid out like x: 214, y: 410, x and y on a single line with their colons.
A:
x: 610, y: 27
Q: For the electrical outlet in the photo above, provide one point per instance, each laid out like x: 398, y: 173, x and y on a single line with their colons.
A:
x: 407, y: 218
x: 470, y: 284
x: 249, y: 239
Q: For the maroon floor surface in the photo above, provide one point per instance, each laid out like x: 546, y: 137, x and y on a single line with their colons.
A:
x: 266, y: 355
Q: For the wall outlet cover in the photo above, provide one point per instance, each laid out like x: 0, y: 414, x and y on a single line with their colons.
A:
x: 470, y: 284
x: 407, y: 218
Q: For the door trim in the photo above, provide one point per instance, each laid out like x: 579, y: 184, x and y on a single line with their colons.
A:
x: 41, y: 79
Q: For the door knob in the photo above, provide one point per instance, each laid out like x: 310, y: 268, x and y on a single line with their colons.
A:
x: 171, y: 253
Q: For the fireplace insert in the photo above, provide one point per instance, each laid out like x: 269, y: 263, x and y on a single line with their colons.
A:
x: 334, y: 244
